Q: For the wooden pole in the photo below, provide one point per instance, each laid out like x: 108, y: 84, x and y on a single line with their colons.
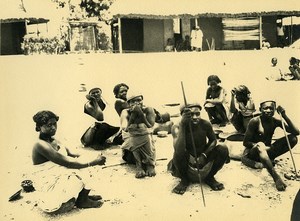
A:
x: 289, y: 145
x: 120, y: 36
x: 194, y: 147
x: 260, y: 32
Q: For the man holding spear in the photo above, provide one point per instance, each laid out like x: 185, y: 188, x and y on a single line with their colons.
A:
x: 194, y: 134
x: 258, y: 139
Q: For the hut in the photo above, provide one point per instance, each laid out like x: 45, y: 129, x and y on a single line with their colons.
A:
x: 145, y: 26
x: 15, y: 23
x: 83, y: 35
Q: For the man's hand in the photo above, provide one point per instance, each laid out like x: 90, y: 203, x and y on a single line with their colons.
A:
x: 280, y: 110
x: 186, y: 116
x: 202, y: 161
x: 233, y: 92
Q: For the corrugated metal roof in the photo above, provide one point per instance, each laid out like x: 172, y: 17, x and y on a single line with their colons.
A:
x: 195, y: 8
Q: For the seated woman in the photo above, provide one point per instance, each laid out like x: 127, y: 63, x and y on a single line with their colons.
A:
x: 170, y: 45
x: 120, y: 92
x: 294, y: 68
x: 242, y: 107
x: 53, y: 179
x: 216, y: 104
x: 96, y: 136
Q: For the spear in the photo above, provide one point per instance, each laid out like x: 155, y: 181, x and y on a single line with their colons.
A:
x: 194, y: 147
x: 288, y: 142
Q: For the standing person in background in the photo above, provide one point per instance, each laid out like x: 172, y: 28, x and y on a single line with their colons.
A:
x: 196, y: 39
x: 216, y: 104
x: 280, y: 35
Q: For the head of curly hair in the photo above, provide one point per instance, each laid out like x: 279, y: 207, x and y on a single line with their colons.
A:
x: 42, y: 117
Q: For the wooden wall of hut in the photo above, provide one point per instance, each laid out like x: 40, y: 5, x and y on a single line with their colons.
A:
x: 83, y: 38
x: 153, y: 35
x: 11, y: 38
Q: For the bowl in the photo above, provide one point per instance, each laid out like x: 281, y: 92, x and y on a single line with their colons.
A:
x: 27, y: 186
x: 162, y: 133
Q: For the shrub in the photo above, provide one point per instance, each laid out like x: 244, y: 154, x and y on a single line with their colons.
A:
x: 42, y: 45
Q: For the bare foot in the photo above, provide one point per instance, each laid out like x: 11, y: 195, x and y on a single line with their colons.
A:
x: 280, y: 185
x: 150, y: 171
x: 214, y: 185
x: 88, y: 203
x: 181, y: 187
x: 140, y: 173
x: 95, y: 197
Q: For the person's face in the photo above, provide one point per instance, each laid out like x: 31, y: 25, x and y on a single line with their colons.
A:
x: 136, y: 101
x: 96, y: 93
x: 240, y: 97
x: 213, y: 85
x: 50, y: 127
x: 268, y: 109
x: 195, y: 115
x: 122, y: 93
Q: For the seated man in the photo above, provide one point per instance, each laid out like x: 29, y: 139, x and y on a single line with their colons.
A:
x: 210, y: 155
x: 53, y: 180
x: 258, y: 139
x: 97, y: 135
x: 295, y: 215
x: 137, y: 122
x: 242, y: 107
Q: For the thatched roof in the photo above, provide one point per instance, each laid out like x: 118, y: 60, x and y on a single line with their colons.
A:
x: 33, y: 11
x: 158, y: 9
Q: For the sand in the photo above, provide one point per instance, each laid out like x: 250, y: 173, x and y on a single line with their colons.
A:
x: 33, y: 83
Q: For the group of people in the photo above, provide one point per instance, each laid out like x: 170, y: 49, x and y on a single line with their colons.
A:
x: 197, y: 151
x: 189, y: 43
x: 278, y: 74
x: 220, y: 111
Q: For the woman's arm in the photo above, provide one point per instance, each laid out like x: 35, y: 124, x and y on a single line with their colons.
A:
x: 92, y: 108
x: 45, y: 149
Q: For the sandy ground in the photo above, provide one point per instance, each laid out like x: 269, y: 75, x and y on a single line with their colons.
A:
x: 32, y: 83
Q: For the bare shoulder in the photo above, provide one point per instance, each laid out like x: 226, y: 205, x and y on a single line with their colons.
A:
x: 205, y: 123
x: 149, y: 109
x: 40, y: 144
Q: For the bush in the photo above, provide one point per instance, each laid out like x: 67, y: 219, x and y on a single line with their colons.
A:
x: 42, y: 45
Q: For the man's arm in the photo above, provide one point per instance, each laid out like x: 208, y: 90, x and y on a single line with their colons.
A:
x: 232, y: 107
x: 149, y: 119
x: 124, y: 120
x: 289, y: 126
x: 212, y: 141
x: 250, y: 133
x: 120, y: 105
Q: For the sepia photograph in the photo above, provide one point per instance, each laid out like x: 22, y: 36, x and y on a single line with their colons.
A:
x: 150, y: 110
